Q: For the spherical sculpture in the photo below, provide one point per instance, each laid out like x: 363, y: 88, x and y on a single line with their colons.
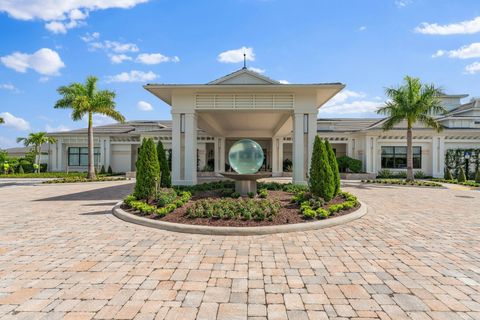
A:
x: 245, y: 156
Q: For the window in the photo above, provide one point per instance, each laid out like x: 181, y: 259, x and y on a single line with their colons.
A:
x: 396, y: 157
x: 78, y: 156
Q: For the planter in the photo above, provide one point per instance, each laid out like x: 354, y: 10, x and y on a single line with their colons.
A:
x: 357, y: 176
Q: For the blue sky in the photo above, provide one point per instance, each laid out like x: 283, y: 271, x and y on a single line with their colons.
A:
x: 366, y: 44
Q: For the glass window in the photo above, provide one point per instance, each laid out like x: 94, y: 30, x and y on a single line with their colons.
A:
x: 396, y: 157
x: 79, y: 156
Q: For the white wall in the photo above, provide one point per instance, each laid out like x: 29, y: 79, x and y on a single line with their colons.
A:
x: 121, y: 157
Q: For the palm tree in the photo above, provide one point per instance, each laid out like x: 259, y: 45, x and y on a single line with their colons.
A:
x: 85, y: 99
x: 412, y: 102
x: 1, y: 120
x: 36, y: 140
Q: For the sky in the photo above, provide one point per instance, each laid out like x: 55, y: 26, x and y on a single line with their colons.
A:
x: 366, y: 44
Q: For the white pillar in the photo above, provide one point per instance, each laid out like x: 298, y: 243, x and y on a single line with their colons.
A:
x: 298, y: 149
x: 280, y: 156
x: 368, y: 154
x: 216, y: 156
x: 312, y: 132
x: 440, y: 154
x: 190, y: 149
x: 202, y: 155
x: 176, y: 149
x: 275, y: 164
x: 221, y: 151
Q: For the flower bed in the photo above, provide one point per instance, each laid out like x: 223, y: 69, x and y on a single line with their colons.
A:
x: 469, y: 183
x: 417, y: 183
x: 216, y: 204
x: 82, y: 179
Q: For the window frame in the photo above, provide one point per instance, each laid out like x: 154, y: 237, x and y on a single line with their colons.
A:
x: 397, y: 158
x: 74, y: 159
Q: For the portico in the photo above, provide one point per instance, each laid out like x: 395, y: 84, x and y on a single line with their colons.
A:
x: 243, y: 104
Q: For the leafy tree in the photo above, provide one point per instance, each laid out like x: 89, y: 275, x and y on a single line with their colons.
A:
x: 165, y: 178
x: 86, y: 100
x: 321, y: 178
x: 332, y: 160
x: 147, y: 171
x: 461, y: 176
x: 448, y: 174
x: 36, y: 140
x: 412, y: 102
x: 1, y: 120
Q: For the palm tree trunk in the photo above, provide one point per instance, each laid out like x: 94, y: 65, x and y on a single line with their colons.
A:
x: 409, y: 154
x: 37, y: 157
x: 91, y: 168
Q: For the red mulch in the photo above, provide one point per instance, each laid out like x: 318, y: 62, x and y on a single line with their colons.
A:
x: 288, y: 214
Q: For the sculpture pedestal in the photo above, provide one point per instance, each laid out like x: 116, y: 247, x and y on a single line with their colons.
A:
x: 246, y: 183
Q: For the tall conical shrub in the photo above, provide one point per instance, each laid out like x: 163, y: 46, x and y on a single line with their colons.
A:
x: 448, y: 174
x: 332, y: 160
x: 321, y: 176
x: 477, y: 176
x: 461, y: 176
x: 165, y: 178
x: 147, y: 171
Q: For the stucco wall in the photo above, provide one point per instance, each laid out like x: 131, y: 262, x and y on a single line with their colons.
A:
x: 121, y: 157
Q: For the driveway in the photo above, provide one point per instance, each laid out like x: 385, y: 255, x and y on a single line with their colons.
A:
x: 415, y: 255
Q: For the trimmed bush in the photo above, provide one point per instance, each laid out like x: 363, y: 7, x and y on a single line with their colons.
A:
x: 477, y: 176
x: 332, y: 160
x: 20, y: 169
x: 110, y: 171
x: 147, y: 171
x: 102, y: 170
x: 321, y: 177
x: 461, y: 176
x: 165, y: 178
x: 347, y: 164
x: 448, y: 174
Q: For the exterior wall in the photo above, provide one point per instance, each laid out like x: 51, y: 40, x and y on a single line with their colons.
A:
x: 121, y: 160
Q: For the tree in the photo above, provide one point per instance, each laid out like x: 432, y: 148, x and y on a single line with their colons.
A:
x: 1, y: 120
x: 165, y: 179
x: 448, y: 174
x: 332, y: 160
x: 412, y: 102
x: 321, y: 176
x: 148, y: 171
x: 36, y: 140
x: 86, y: 100
x: 477, y: 176
x: 461, y: 175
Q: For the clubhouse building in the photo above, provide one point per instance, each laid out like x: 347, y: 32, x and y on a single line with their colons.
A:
x: 208, y: 118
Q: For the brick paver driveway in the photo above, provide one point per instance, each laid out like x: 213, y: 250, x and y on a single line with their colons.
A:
x: 416, y: 254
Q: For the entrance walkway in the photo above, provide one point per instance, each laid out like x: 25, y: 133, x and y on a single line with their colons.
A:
x: 416, y: 254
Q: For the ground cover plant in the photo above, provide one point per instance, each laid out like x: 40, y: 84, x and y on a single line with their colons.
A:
x: 417, y: 183
x: 469, y: 183
x: 77, y: 179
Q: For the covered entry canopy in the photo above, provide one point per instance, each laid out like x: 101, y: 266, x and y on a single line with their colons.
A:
x: 244, y: 104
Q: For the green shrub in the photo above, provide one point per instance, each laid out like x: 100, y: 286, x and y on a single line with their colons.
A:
x: 347, y: 164
x: 251, y: 194
x: 321, y: 178
x: 477, y: 176
x: 147, y: 171
x: 309, y: 213
x: 20, y: 169
x: 263, y: 193
x: 227, y: 192
x: 102, y: 170
x: 334, y: 208
x: 419, y: 175
x: 165, y: 177
x: 332, y: 160
x: 110, y: 171
x: 461, y: 176
x: 384, y: 174
x: 235, y: 195
x: 322, y: 213
x: 448, y: 174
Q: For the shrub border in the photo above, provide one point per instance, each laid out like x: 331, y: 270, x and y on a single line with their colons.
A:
x: 237, y: 231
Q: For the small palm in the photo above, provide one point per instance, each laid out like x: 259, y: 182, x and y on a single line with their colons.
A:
x: 36, y: 140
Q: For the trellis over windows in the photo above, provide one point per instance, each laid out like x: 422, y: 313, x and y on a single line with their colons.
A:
x: 78, y: 156
x: 456, y: 158
x: 395, y: 157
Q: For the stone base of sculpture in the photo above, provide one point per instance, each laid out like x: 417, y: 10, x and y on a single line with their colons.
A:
x: 246, y: 183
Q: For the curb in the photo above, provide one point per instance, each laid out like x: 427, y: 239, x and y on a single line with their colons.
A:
x: 237, y: 231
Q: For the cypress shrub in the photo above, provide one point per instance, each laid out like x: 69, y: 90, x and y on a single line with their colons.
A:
x: 321, y: 178
x: 165, y: 178
x: 332, y: 160
x: 448, y: 174
x: 110, y: 171
x: 461, y: 176
x: 477, y: 176
x: 102, y: 170
x: 147, y: 171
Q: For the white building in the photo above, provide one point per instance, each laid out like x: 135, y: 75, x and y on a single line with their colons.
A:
x: 282, y: 118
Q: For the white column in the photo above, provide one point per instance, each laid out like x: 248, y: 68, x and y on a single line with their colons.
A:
x: 368, y: 154
x: 108, y: 153
x: 176, y: 149
x: 221, y: 151
x: 216, y: 155
x: 435, y: 156
x: 202, y: 155
x: 312, y: 132
x: 190, y: 149
x: 60, y: 155
x: 274, y: 156
x: 298, y: 149
x: 280, y: 156
x: 441, y: 156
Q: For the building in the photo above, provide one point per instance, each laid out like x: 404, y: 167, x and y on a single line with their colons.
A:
x: 208, y: 118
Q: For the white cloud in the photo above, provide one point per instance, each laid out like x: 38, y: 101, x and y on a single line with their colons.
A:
x: 61, y: 15
x: 101, y: 120
x: 8, y: 86
x: 402, y: 3
x: 119, y: 58
x: 44, y: 61
x: 465, y: 52
x: 351, y: 103
x: 133, y: 76
x: 362, y: 28
x: 236, y: 55
x: 14, y: 122
x: 114, y: 46
x: 43, y: 79
x: 473, y: 68
x: 155, y: 58
x: 284, y: 81
x: 144, y: 106
x: 59, y: 128
x: 257, y: 70
x: 90, y: 37
x: 464, y: 27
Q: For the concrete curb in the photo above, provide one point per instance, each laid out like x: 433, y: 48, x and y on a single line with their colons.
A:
x: 237, y: 231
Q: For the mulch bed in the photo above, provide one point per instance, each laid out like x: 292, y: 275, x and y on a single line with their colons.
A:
x: 288, y: 214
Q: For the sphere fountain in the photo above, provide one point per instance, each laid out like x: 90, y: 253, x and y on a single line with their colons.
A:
x: 246, y: 158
